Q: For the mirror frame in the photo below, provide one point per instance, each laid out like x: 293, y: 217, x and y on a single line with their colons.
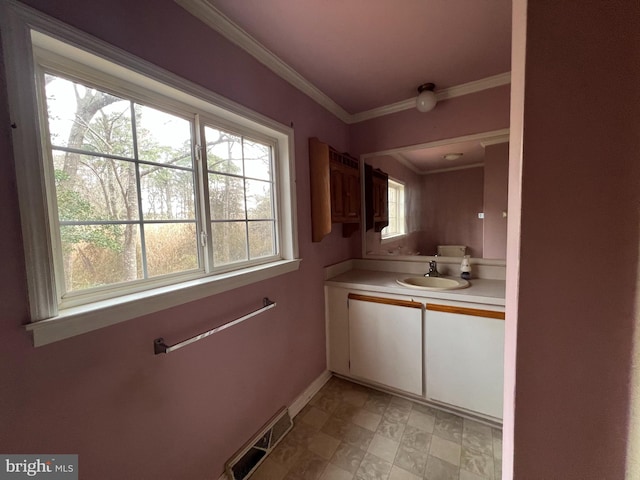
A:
x: 486, y: 138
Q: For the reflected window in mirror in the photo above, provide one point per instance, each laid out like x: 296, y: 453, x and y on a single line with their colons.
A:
x: 397, y: 225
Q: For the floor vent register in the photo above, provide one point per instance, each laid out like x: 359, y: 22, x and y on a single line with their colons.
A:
x: 249, y: 457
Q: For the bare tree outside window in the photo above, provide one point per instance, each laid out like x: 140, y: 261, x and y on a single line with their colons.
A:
x: 240, y: 176
x: 125, y: 194
x: 126, y: 189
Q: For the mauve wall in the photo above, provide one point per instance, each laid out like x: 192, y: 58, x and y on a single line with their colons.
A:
x: 451, y: 202
x: 479, y: 112
x: 483, y: 111
x: 104, y: 395
x: 578, y: 261
x: 496, y: 187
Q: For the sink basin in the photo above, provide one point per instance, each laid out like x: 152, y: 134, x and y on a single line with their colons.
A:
x: 433, y: 283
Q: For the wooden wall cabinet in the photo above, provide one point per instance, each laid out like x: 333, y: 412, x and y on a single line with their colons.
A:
x: 376, y: 198
x: 335, y: 190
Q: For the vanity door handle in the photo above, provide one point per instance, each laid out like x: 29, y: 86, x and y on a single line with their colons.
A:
x: 385, y: 301
x: 475, y: 312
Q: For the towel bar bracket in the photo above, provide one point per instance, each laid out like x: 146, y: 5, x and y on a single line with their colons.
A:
x: 266, y: 302
x: 159, y: 345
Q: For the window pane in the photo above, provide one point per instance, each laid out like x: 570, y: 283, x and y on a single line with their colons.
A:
x: 229, y: 242
x: 224, y: 151
x: 261, y: 239
x: 167, y: 193
x: 162, y: 137
x: 257, y: 160
x: 94, y: 188
x: 170, y: 248
x: 240, y: 177
x: 401, y: 222
x: 84, y: 118
x: 396, y: 210
x: 100, y: 255
x: 259, y: 205
x: 226, y: 197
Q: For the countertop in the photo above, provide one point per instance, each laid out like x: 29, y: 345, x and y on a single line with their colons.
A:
x: 488, y: 292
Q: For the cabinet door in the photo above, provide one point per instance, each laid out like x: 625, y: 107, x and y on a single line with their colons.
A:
x: 376, y: 196
x: 337, y: 193
x: 385, y: 342
x: 345, y: 194
x: 377, y: 199
x: 464, y: 358
x: 381, y: 192
x: 352, y: 195
x: 337, y: 321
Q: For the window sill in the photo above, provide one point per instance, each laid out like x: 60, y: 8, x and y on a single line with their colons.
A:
x: 393, y: 238
x: 86, y: 318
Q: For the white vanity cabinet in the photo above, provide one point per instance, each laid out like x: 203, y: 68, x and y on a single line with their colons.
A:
x: 445, y: 351
x: 464, y: 358
x: 385, y: 341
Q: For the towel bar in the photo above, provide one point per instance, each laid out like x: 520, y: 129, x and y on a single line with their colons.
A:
x: 160, y: 347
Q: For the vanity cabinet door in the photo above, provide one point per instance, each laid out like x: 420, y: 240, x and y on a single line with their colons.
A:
x: 385, y: 341
x: 337, y: 329
x: 465, y: 358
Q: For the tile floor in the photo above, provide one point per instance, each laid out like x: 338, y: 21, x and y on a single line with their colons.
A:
x: 348, y: 431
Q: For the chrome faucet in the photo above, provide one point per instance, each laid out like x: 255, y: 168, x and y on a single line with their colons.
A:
x: 433, y: 269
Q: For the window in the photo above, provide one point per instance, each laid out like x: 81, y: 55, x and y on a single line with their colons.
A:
x: 241, y: 199
x: 124, y: 182
x: 138, y: 190
x: 124, y: 188
x: 397, y: 224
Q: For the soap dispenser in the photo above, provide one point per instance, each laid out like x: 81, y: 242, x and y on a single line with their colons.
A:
x: 465, y: 268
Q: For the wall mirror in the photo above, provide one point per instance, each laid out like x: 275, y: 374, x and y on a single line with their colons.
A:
x: 454, y: 194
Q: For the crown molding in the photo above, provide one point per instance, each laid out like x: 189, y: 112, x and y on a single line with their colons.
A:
x: 484, y: 138
x: 218, y: 21
x: 453, y: 169
x: 475, y: 86
x: 495, y: 141
x: 474, y: 137
x: 407, y: 163
x: 404, y: 161
x: 444, y: 94
x: 222, y: 24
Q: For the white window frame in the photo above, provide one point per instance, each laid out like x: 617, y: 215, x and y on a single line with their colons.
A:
x: 402, y: 222
x: 23, y: 31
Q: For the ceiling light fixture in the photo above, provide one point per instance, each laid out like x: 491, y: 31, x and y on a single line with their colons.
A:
x: 426, y: 97
x: 452, y: 156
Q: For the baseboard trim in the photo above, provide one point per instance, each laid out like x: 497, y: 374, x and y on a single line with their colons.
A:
x: 304, y: 398
x: 301, y: 401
